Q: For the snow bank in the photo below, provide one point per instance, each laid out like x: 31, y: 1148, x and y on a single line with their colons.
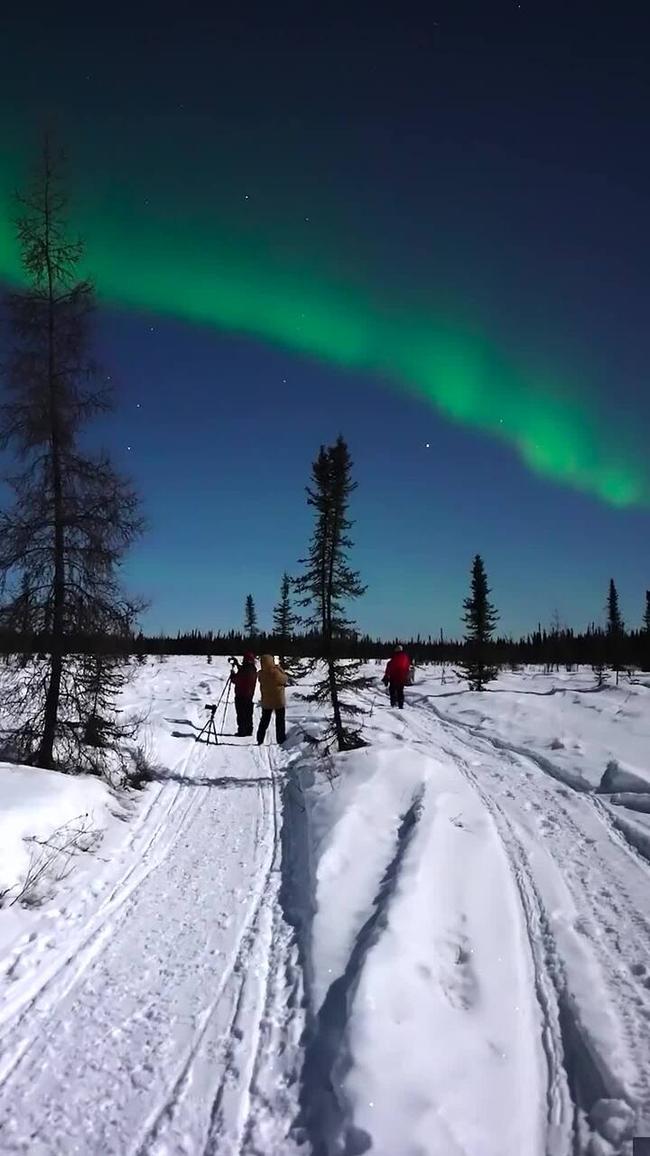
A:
x: 36, y: 804
x: 354, y: 831
x: 621, y: 780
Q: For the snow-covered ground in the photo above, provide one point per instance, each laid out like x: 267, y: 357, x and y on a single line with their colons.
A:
x: 437, y: 945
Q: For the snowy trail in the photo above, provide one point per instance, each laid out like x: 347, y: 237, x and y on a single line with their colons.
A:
x: 585, y: 897
x: 445, y: 954
x: 170, y: 1023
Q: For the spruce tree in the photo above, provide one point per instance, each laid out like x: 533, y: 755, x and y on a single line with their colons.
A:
x: 73, y: 517
x: 480, y: 618
x: 250, y: 618
x: 285, y: 620
x: 615, y: 630
x: 326, y: 585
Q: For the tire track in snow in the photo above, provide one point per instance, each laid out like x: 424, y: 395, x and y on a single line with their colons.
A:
x: 579, y: 1077
x: 549, y: 980
x: 615, y: 892
x: 82, y: 948
x: 257, y: 1120
x: 113, y: 1003
x: 576, y: 1066
x: 574, y: 783
x: 230, y: 988
x: 255, y: 1006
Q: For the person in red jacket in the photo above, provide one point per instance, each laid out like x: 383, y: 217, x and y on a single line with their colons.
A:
x: 244, y: 680
x: 396, y: 676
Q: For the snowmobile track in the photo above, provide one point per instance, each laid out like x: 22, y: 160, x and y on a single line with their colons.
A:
x: 580, y: 1079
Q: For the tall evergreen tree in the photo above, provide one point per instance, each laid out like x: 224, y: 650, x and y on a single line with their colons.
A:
x: 250, y: 618
x: 480, y: 619
x: 327, y: 585
x: 646, y: 613
x: 73, y: 517
x: 285, y: 620
x: 615, y: 630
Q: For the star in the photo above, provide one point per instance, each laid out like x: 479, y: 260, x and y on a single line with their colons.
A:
x: 427, y: 445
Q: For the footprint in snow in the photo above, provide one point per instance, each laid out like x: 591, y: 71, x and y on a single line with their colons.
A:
x: 459, y: 981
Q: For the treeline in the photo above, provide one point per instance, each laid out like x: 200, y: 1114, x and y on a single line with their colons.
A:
x: 554, y: 649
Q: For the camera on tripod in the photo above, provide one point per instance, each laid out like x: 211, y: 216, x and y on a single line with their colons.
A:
x: 211, y: 706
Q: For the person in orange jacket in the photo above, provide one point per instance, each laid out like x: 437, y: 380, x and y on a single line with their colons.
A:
x: 272, y: 680
x: 396, y: 676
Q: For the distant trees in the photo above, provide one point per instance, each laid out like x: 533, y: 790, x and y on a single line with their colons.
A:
x: 72, y: 517
x: 285, y: 620
x: 480, y: 619
x: 646, y: 632
x: 328, y: 583
x: 251, y: 629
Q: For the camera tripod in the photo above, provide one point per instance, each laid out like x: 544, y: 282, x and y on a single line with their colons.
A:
x: 209, y: 732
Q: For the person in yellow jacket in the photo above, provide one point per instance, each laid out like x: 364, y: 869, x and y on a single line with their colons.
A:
x: 272, y: 680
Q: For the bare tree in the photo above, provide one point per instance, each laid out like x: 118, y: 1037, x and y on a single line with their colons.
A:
x: 73, y: 517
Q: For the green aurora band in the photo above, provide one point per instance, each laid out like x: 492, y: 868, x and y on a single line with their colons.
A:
x: 158, y: 266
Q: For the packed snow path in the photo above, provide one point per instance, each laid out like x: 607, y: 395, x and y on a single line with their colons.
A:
x: 171, y: 1025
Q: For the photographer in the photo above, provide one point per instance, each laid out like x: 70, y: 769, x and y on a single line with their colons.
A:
x: 272, y: 680
x: 244, y: 680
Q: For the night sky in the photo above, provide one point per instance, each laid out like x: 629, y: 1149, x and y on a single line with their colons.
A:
x: 426, y: 230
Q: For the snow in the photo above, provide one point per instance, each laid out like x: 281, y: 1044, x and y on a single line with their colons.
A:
x: 573, y: 728
x: 440, y: 962
x: 481, y: 921
x: 37, y: 803
x: 435, y: 945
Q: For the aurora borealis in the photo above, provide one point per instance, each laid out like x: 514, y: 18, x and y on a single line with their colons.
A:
x: 425, y: 234
x: 463, y: 377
